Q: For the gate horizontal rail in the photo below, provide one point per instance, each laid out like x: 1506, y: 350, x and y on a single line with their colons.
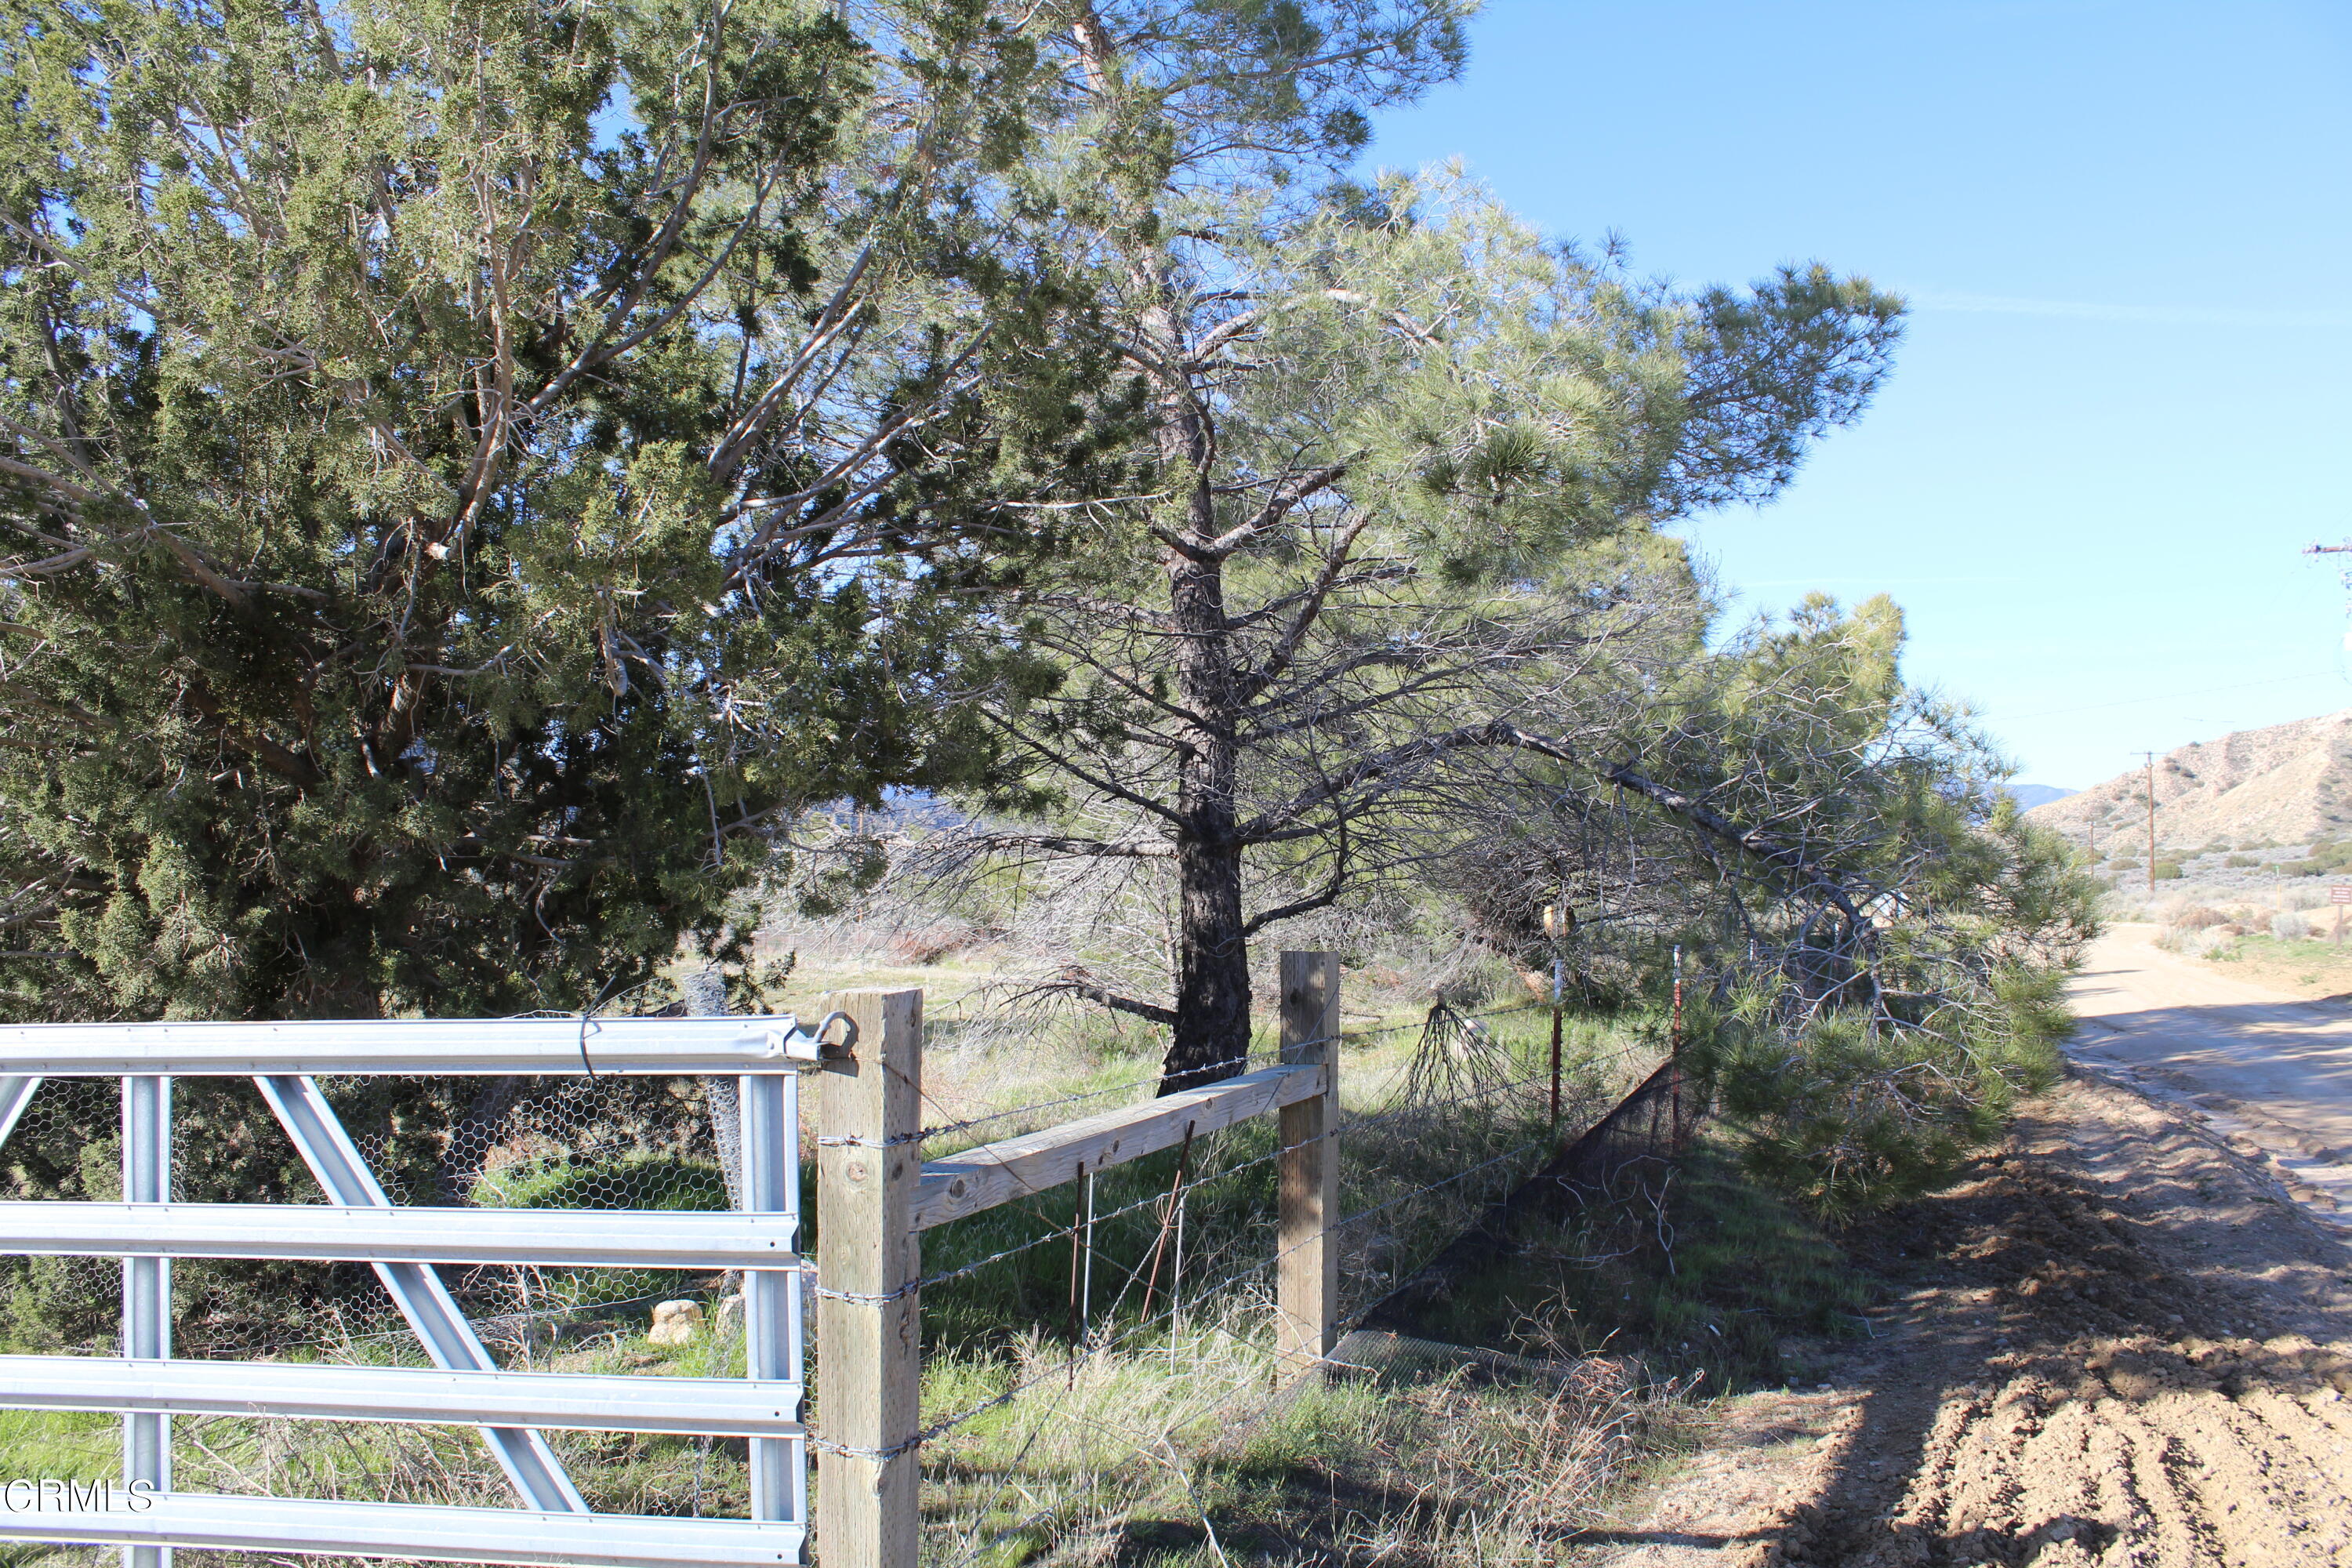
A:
x: 583, y: 1238
x: 335, y: 1392
x: 450, y: 1046
x: 419, y: 1531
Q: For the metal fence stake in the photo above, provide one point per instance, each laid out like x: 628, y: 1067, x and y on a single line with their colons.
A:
x: 869, y: 1357
x: 1559, y: 997
x: 1086, y: 1279
x: 1306, y: 1288
x: 1077, y: 1244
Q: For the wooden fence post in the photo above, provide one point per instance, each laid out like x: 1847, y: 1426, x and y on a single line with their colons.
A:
x: 869, y: 1323
x: 1306, y: 1287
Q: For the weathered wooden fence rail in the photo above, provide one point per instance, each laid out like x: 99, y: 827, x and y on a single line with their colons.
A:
x: 874, y: 1198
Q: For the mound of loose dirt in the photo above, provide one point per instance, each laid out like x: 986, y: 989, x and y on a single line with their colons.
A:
x: 2117, y: 1346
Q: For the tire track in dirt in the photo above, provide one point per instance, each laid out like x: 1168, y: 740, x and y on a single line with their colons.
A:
x: 2127, y: 1351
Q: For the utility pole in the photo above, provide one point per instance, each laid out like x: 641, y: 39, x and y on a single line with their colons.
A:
x: 2151, y: 822
x: 2343, y: 576
x: 2343, y: 549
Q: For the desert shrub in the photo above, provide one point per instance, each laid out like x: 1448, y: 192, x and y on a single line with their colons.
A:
x: 2301, y: 898
x: 2167, y: 870
x: 2200, y: 943
x: 932, y: 944
x: 2242, y: 862
x: 2289, y: 926
x: 2197, y: 917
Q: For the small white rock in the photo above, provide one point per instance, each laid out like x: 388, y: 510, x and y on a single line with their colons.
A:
x: 675, y: 1323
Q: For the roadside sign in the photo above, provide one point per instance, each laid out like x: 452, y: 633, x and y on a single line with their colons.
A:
x: 2340, y: 894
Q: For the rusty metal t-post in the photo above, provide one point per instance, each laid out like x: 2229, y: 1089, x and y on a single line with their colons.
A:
x: 870, y: 1320
x: 1558, y: 998
x: 1307, y: 1286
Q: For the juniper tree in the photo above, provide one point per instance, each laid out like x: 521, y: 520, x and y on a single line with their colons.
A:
x: 468, y: 468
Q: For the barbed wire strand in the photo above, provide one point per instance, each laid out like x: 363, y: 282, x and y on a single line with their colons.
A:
x: 930, y: 1134
x: 1066, y: 1232
x: 1203, y: 1292
x: 1065, y: 1368
x: 1345, y: 1037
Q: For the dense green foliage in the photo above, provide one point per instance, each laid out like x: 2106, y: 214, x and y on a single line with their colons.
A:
x: 1849, y: 1114
x: 465, y: 469
x: 1871, y: 940
x: 1907, y: 933
x: 470, y: 474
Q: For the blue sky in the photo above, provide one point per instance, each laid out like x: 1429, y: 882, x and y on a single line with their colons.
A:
x: 2126, y: 399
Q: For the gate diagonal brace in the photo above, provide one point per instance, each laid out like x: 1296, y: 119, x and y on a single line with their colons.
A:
x: 532, y: 1467
x: 15, y: 1093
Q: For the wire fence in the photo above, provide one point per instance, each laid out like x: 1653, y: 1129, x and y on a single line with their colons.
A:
x: 1078, y: 1340
x: 1059, y: 1432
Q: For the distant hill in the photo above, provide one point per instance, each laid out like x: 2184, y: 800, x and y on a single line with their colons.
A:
x: 2287, y: 784
x: 2028, y: 796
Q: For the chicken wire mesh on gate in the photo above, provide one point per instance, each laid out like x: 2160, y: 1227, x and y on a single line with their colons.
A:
x: 573, y: 1142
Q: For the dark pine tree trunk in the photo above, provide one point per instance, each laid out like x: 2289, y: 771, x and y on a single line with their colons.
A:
x: 1213, y: 985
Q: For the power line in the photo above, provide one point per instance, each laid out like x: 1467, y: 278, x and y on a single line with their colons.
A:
x: 2162, y: 697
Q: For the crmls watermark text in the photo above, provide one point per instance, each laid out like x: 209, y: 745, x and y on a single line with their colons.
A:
x: 47, y: 1494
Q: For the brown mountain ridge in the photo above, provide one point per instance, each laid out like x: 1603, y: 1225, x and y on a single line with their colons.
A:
x: 2287, y: 784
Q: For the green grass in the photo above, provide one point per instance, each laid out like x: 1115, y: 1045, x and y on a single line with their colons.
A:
x: 636, y: 1180
x: 71, y: 1445
x: 1179, y: 1459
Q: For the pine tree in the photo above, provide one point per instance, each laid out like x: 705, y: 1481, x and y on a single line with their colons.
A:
x: 1403, y: 465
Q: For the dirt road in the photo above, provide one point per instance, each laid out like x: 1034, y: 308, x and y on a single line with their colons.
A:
x: 2121, y: 1341
x: 2271, y: 1074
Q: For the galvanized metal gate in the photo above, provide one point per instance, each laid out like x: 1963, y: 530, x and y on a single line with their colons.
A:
x: 359, y: 1223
